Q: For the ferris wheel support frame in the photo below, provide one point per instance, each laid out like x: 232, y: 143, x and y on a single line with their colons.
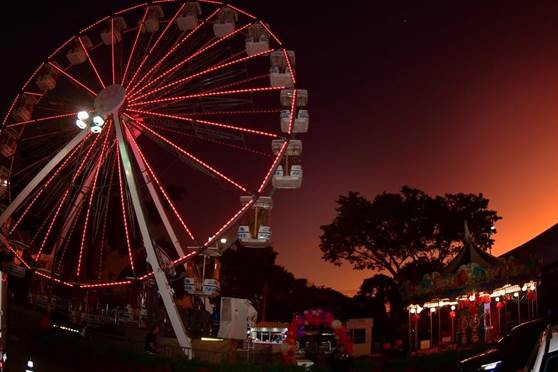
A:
x: 160, y: 277
x: 40, y: 176
x: 156, y: 199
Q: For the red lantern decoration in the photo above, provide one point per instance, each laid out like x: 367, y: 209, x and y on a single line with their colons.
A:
x: 452, y: 314
x: 499, y: 305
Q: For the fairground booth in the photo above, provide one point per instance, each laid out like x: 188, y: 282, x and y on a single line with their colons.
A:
x: 476, y: 298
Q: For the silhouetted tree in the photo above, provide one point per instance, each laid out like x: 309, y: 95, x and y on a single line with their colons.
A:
x: 406, y: 228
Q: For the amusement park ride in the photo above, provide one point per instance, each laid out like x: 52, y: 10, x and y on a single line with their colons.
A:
x: 196, y: 93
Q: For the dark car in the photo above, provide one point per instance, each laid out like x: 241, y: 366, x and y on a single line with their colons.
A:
x: 508, y: 354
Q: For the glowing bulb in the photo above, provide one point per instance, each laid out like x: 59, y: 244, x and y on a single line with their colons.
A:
x: 452, y: 307
x: 532, y: 287
x: 516, y: 294
x: 29, y: 363
x: 98, y: 120
x: 472, y: 298
x: 524, y: 288
x: 223, y: 240
x: 83, y: 115
x: 497, y: 299
x: 96, y: 129
x: 419, y: 309
x: 81, y: 124
x: 432, y: 309
x: 413, y: 310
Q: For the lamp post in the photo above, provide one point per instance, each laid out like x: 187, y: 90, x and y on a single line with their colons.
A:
x: 432, y: 310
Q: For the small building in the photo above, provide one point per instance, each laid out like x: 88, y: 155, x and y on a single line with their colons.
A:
x: 360, y: 332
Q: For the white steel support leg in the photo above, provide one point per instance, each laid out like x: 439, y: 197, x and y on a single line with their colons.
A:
x: 157, y: 201
x: 41, y: 175
x: 160, y: 276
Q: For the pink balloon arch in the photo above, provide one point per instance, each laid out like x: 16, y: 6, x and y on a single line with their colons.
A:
x: 314, y: 317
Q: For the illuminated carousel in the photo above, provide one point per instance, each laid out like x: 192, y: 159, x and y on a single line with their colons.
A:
x: 476, y: 298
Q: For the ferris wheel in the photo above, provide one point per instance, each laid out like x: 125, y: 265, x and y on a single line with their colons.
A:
x: 166, y: 122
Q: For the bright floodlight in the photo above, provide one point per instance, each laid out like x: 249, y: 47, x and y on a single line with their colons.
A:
x: 96, y: 129
x: 83, y: 115
x: 81, y: 124
x: 98, y: 120
x: 223, y: 240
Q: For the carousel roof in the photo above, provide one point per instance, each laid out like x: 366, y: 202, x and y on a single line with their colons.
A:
x: 470, y: 254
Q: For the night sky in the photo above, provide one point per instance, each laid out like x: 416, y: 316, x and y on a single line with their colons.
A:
x: 443, y: 96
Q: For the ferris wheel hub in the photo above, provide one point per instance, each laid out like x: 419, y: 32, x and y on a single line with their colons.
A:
x: 110, y: 99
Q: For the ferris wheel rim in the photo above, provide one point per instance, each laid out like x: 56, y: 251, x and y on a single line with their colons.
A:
x: 255, y: 194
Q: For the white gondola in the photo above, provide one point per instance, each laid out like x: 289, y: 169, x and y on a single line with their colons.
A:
x: 188, y: 20
x: 46, y: 82
x: 190, y: 285
x: 23, y: 113
x: 4, y: 177
x: 300, y: 123
x: 254, y: 230
x: 77, y: 55
x: 279, y: 73
x: 288, y: 174
x: 291, y: 180
x: 153, y: 20
x: 257, y: 40
x: 119, y: 27
x: 294, y: 148
x: 226, y: 22
x: 286, y: 97
x: 211, y: 287
x: 8, y: 142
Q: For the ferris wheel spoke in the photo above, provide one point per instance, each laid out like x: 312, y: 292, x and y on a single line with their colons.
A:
x: 91, y: 63
x: 219, y: 232
x: 236, y: 147
x: 38, y: 120
x: 161, y: 188
x: 188, y: 155
x: 68, y: 238
x: 237, y: 83
x: 278, y: 158
x: 205, y: 122
x: 188, y: 59
x: 41, y: 228
x: 47, y: 183
x: 207, y: 94
x: 52, y: 222
x: 242, y: 11
x: 99, y: 164
x: 198, y: 74
x: 112, y: 53
x: 289, y: 65
x: 169, y: 24
x: 73, y: 79
x: 124, y: 214
x: 85, y: 159
x: 138, y: 33
x: 170, y: 52
x: 105, y: 217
